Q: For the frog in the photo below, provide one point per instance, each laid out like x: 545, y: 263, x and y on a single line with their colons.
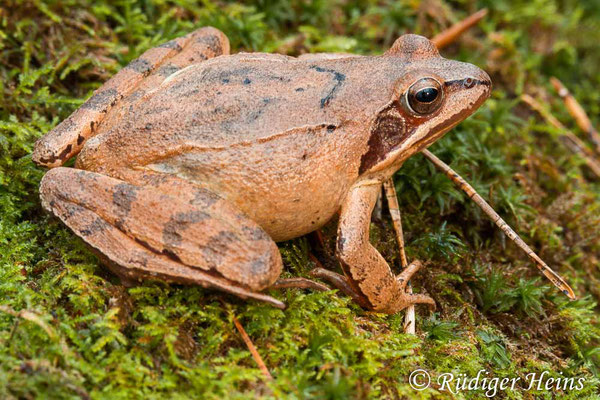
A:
x: 193, y: 163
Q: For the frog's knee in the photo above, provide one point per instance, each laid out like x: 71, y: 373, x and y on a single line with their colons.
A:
x: 51, y: 185
x: 244, y: 254
x: 214, y: 41
x: 264, y: 269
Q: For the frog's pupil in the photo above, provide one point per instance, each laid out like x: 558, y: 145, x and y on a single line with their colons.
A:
x: 426, y: 95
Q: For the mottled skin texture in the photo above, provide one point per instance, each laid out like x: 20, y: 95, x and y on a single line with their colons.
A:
x: 192, y: 162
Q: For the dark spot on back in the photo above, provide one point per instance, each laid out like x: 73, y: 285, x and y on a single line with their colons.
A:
x: 330, y: 128
x: 247, y: 81
x: 225, y: 80
x: 338, y: 77
x: 80, y: 138
x: 299, y: 89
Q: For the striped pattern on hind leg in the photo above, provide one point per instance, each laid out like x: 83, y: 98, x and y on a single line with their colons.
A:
x: 152, y: 234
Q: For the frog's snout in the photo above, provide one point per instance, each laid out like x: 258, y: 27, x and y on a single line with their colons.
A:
x: 478, y: 85
x: 481, y: 81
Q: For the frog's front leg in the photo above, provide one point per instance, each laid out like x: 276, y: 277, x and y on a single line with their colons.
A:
x: 367, y: 272
x: 145, y: 233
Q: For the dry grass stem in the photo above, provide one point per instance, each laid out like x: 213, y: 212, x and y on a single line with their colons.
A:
x: 392, y: 199
x: 252, y: 348
x: 569, y: 138
x: 449, y: 35
x: 577, y: 112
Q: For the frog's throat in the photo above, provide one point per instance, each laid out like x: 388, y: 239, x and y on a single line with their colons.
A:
x: 396, y: 158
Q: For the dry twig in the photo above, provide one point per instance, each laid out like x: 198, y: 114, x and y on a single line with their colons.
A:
x: 392, y: 199
x: 569, y: 138
x: 252, y: 348
x: 556, y: 279
x: 449, y: 35
x: 577, y: 112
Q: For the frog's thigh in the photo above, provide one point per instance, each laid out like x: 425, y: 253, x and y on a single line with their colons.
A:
x: 152, y: 67
x: 148, y: 233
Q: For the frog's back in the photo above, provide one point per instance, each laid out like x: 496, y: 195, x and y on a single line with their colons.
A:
x: 237, y: 100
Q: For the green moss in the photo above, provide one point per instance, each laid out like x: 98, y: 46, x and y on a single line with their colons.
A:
x: 88, y: 336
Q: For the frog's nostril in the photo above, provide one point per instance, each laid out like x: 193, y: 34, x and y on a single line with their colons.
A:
x: 485, y: 79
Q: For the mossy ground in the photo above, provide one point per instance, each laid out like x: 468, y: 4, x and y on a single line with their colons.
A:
x: 102, y: 340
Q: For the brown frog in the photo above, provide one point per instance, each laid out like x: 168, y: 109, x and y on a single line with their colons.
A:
x: 192, y: 162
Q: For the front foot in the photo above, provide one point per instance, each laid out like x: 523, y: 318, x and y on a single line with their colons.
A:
x: 403, y: 280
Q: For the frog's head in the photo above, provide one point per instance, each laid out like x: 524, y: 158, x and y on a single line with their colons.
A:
x: 430, y: 96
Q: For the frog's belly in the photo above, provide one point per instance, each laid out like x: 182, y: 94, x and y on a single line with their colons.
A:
x: 289, y: 189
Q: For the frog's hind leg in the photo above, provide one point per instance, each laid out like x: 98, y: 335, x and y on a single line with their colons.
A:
x: 68, y: 138
x: 147, y: 234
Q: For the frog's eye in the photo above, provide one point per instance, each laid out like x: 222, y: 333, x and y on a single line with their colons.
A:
x: 424, y: 96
